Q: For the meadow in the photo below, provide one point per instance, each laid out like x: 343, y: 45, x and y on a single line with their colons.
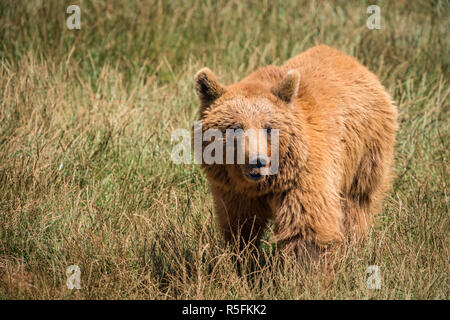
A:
x: 86, y: 176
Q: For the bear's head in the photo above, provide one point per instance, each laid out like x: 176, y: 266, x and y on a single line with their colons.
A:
x: 252, y: 137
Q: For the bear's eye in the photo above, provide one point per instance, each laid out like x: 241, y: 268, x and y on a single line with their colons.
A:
x: 268, y: 129
x: 235, y: 127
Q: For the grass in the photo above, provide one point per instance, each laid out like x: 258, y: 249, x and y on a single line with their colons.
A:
x: 85, y: 123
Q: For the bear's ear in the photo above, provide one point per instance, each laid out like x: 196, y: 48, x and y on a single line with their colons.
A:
x: 288, y: 87
x: 207, y: 86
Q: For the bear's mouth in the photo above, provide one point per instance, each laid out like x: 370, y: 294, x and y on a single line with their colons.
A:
x: 255, y: 176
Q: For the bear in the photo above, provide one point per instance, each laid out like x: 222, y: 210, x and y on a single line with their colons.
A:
x: 336, y: 128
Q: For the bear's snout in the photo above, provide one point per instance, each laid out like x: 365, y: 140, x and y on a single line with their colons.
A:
x: 258, y: 161
x: 255, y: 169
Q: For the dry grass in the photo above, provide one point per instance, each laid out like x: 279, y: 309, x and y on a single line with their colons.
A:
x: 85, y: 124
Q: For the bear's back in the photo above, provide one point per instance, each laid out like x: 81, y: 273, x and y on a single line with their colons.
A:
x: 337, y: 80
x: 347, y: 104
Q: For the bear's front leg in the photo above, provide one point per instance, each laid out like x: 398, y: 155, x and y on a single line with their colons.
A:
x: 242, y: 219
x: 306, y: 222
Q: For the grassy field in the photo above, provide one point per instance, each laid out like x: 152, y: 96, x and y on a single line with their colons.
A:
x: 86, y: 176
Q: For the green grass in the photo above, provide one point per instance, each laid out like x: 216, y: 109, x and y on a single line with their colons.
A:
x: 85, y: 171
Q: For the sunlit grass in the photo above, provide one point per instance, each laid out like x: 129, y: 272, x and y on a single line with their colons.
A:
x: 85, y: 171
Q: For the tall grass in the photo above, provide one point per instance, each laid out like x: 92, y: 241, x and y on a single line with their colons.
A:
x: 85, y: 171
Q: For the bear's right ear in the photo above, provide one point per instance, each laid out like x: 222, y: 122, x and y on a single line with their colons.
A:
x: 208, y: 88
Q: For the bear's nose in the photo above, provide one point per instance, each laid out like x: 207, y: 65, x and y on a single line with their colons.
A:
x: 258, y: 161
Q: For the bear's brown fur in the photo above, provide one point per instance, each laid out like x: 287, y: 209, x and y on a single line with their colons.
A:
x: 337, y: 128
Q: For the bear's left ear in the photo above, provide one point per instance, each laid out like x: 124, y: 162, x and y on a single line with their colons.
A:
x: 207, y: 86
x: 288, y: 87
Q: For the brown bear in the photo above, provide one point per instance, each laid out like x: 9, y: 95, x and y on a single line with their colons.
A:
x: 336, y: 131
